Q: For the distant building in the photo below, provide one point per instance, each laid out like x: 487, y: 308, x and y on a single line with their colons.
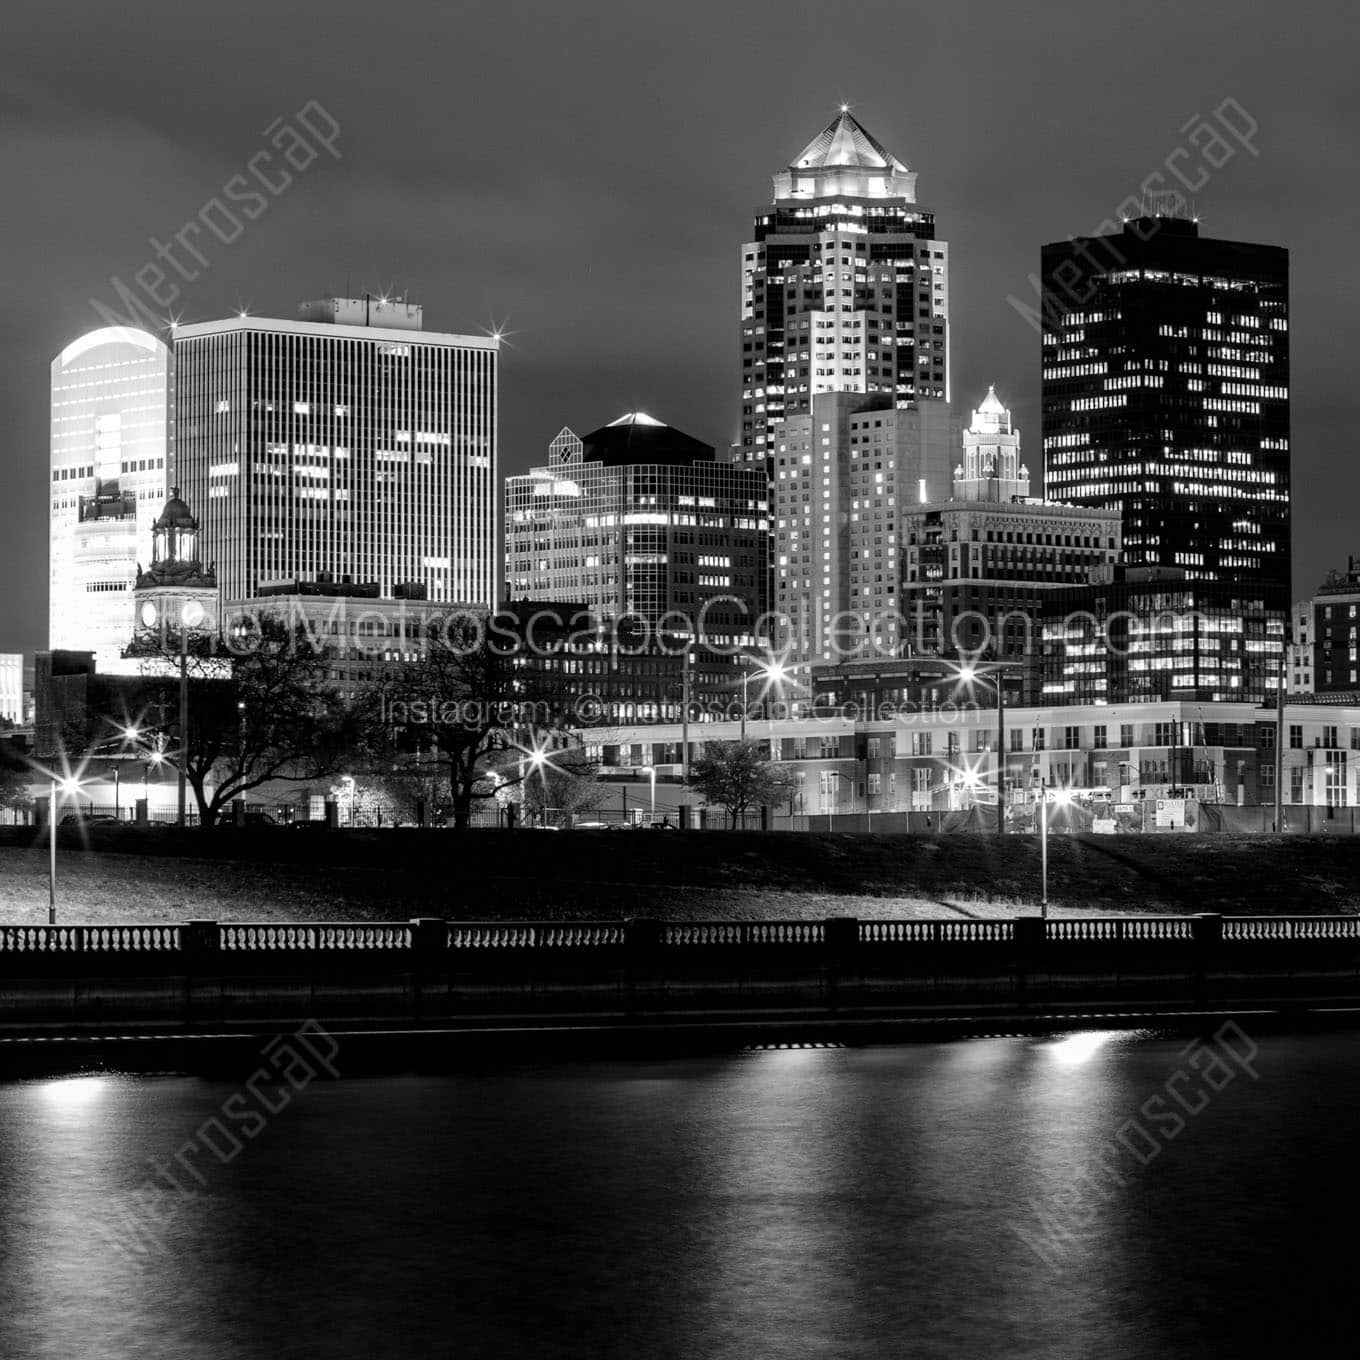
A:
x: 112, y: 439
x: 1138, y: 634
x: 976, y: 567
x: 1302, y: 637
x: 12, y: 706
x: 637, y: 521
x: 1325, y: 645
x: 944, y: 758
x: 843, y: 477
x: 1166, y: 397
x: 351, y: 442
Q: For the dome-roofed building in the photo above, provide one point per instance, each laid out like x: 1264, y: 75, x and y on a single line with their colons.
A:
x: 636, y: 437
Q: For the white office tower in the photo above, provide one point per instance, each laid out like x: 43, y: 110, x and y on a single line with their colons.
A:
x: 845, y: 386
x: 112, y: 437
x: 844, y: 287
x: 844, y: 474
x: 350, y: 446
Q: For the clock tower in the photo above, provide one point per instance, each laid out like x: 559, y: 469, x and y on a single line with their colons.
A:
x: 175, y: 590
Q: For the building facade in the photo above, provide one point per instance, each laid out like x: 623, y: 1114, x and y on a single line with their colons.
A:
x: 1325, y: 646
x: 845, y: 385
x: 112, y: 436
x: 843, y: 476
x: 638, y: 522
x: 1137, y: 634
x: 1302, y: 636
x: 976, y: 567
x: 1166, y: 397
x: 351, y: 442
x: 12, y: 705
x: 941, y: 759
x: 844, y: 287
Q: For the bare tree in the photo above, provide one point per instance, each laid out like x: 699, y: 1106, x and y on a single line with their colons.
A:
x: 737, y: 775
x: 565, y: 781
x: 475, y: 704
x: 269, y: 711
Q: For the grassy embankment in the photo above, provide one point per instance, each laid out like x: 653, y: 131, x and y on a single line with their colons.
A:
x: 119, y: 874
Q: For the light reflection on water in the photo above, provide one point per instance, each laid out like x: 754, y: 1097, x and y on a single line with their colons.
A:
x: 817, y: 1202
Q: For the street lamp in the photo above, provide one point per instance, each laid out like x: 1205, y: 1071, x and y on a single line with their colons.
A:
x: 774, y: 673
x: 995, y: 673
x: 686, y: 661
x: 651, y: 770
x: 1061, y: 797
x: 67, y: 786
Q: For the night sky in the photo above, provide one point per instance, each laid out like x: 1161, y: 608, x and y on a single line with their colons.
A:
x: 585, y: 174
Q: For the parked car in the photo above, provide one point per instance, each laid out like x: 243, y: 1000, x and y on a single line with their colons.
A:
x: 82, y: 819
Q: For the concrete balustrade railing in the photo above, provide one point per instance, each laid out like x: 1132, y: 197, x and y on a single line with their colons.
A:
x: 211, y: 937
x: 197, y: 974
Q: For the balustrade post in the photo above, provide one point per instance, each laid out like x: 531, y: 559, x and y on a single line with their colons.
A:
x: 1030, y: 934
x: 644, y: 941
x: 200, y: 944
x: 840, y: 939
x: 429, y: 958
x: 1207, y: 931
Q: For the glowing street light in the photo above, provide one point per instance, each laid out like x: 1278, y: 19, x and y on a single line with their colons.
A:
x: 1061, y: 798
x: 969, y: 674
x: 67, y: 787
x: 773, y: 672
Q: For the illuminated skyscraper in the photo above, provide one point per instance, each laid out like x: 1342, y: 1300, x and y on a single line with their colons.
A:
x: 112, y: 435
x: 845, y: 363
x: 637, y: 520
x: 350, y: 446
x: 1166, y: 396
x: 844, y: 287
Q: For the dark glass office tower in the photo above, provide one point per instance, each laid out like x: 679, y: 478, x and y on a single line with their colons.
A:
x: 1166, y: 395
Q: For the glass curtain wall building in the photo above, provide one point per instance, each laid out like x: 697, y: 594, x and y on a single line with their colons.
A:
x: 350, y: 446
x: 1166, y: 396
x: 112, y: 434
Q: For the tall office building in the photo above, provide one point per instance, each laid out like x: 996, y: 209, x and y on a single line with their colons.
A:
x: 638, y: 519
x: 845, y: 368
x: 350, y: 445
x: 1166, y: 396
x: 844, y: 287
x: 112, y: 436
x: 12, y: 688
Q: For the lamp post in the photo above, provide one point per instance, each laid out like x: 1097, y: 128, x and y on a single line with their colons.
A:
x: 1060, y: 796
x: 67, y: 786
x: 684, y: 715
x: 1043, y: 849
x: 968, y: 674
x: 52, y: 854
x: 117, y: 809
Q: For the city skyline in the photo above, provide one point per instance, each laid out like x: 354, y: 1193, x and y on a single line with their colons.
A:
x: 581, y: 327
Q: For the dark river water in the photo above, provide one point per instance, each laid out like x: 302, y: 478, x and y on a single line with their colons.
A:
x: 1008, y: 1197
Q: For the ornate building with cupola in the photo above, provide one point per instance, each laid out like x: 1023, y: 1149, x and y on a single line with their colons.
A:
x: 176, y: 591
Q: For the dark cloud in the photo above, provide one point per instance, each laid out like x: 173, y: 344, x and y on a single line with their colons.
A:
x: 586, y: 174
